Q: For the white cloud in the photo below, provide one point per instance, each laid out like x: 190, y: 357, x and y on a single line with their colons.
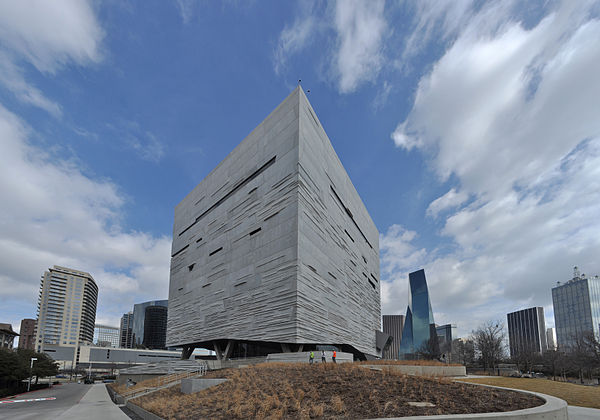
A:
x: 293, y: 39
x: 360, y: 27
x: 510, y: 113
x: 449, y: 200
x: 349, y: 35
x: 48, y: 37
x: 53, y: 213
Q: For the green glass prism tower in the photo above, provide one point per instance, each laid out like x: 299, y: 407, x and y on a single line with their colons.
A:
x: 419, y: 334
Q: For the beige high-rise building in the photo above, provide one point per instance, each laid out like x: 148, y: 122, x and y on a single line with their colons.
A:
x: 66, y: 308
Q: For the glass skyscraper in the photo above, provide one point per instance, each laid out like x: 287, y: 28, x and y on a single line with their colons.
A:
x: 139, y: 319
x: 419, y: 326
x: 576, y: 309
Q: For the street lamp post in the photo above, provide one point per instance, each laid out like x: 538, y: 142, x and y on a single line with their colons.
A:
x: 30, y: 373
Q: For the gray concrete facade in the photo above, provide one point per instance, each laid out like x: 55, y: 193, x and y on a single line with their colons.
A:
x: 275, y: 245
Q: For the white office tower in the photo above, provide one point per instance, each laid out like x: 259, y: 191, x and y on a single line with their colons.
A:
x: 66, y: 308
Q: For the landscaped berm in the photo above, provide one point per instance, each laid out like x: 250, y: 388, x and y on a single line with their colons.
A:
x: 328, y: 391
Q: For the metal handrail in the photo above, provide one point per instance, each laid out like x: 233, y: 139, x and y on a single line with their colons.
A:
x: 166, y: 380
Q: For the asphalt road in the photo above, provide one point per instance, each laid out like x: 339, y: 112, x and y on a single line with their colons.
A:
x: 67, y: 395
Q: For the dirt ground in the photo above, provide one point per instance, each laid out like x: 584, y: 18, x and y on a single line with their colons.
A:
x: 573, y: 394
x: 328, y: 391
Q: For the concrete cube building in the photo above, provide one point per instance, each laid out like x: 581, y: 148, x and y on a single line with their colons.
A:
x: 274, y: 250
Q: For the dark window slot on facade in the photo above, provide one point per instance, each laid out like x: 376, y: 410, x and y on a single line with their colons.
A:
x: 353, y: 263
x: 206, y: 285
x: 364, y: 259
x: 365, y: 274
x: 313, y: 269
x: 329, y: 272
x: 240, y: 184
x: 372, y: 284
x: 271, y: 216
x: 198, y: 240
x: 239, y: 284
x: 191, y: 266
x: 252, y: 190
x: 374, y: 278
x: 180, y: 251
x: 180, y: 289
x: 351, y: 238
x: 349, y: 213
x: 255, y: 231
x: 215, y: 251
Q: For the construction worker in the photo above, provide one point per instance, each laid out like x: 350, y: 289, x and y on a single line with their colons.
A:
x: 333, y: 357
x: 323, y: 356
x: 311, y: 357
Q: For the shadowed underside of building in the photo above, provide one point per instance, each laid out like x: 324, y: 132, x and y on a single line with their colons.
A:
x: 274, y: 250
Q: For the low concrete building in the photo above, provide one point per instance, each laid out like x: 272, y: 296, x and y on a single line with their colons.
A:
x: 103, y: 358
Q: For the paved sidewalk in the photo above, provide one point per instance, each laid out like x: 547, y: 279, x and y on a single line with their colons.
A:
x: 583, y: 413
x: 95, y: 405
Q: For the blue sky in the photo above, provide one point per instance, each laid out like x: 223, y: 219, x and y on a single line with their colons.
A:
x: 469, y: 128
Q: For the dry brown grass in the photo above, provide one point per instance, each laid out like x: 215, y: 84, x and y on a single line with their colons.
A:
x: 342, y: 391
x: 581, y: 395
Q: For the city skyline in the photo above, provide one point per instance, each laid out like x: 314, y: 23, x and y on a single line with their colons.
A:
x: 468, y: 129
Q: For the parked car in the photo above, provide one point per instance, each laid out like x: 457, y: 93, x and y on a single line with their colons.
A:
x: 108, y: 381
x: 88, y: 380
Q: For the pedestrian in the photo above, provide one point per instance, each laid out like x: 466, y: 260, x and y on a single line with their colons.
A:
x: 311, y: 357
x: 323, y: 356
x: 333, y: 357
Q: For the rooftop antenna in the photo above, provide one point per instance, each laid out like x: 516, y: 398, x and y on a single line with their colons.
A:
x: 299, y: 82
x: 575, y: 272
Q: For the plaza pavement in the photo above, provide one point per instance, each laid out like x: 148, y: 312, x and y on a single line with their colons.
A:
x: 95, y: 405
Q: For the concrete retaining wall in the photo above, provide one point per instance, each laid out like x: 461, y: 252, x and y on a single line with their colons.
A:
x: 189, y: 386
x: 439, y: 371
x: 302, y: 357
x: 146, y: 415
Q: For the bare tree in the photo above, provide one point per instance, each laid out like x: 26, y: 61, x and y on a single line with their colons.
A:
x: 554, y: 361
x: 526, y: 357
x: 489, y: 342
x: 464, y: 350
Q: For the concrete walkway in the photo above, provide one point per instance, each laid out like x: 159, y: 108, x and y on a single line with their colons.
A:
x: 583, y: 413
x: 95, y: 405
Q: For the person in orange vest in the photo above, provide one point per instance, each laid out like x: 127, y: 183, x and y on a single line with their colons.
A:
x: 333, y: 357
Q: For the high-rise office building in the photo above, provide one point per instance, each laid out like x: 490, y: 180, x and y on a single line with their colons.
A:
x: 551, y: 338
x: 392, y: 325
x: 527, y: 331
x: 155, y: 327
x: 106, y: 336
x: 27, y: 338
x: 274, y: 250
x: 139, y: 320
x: 576, y: 309
x: 66, y: 308
x: 126, y: 331
x: 419, y: 333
